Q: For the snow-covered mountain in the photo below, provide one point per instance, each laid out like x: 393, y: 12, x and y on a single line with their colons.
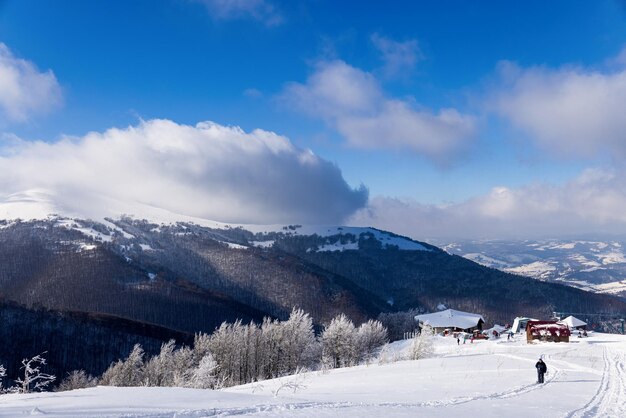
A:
x: 593, y: 265
x: 153, y: 273
x: 40, y: 205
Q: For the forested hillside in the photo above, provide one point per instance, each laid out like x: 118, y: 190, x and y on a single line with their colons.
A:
x: 185, y: 278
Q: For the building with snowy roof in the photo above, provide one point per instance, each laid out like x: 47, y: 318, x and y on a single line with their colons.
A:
x: 547, y: 331
x: 573, y: 323
x: 451, y: 319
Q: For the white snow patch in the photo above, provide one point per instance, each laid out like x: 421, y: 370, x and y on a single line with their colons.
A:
x: 235, y: 246
x: 537, y: 269
x: 338, y: 246
x: 263, y: 244
x: 612, y: 258
x: 486, y: 260
x: 87, y: 247
x: 563, y: 246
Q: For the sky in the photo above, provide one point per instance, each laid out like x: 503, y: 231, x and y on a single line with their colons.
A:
x: 432, y: 119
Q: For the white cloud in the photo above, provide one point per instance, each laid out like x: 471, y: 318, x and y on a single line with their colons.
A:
x: 353, y: 102
x: 399, y: 58
x: 24, y: 90
x: 570, y: 111
x: 261, y: 10
x: 592, y: 203
x: 208, y: 171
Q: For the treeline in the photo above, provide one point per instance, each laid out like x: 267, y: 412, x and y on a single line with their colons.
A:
x: 238, y: 353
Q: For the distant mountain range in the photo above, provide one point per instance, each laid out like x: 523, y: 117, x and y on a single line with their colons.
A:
x: 596, y: 266
x: 169, y: 276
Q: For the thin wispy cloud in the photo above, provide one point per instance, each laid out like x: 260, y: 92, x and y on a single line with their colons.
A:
x: 25, y: 91
x: 399, y: 57
x: 207, y: 171
x: 353, y: 102
x: 263, y: 11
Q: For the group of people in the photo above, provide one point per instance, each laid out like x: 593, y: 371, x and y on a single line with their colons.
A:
x: 458, y: 340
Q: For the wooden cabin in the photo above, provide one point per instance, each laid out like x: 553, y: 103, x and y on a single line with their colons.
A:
x: 547, y: 331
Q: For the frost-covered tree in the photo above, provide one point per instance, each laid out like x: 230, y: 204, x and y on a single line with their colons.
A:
x: 77, y: 379
x: 339, y: 346
x: 3, y: 374
x: 160, y: 369
x: 33, y: 379
x: 422, y: 345
x: 129, y: 372
x: 204, y: 376
x: 371, y: 335
x: 183, y: 363
x: 297, y: 343
x: 269, y: 349
x: 233, y: 347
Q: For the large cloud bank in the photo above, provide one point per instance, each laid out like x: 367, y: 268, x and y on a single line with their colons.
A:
x: 591, y: 204
x: 207, y: 171
x: 24, y: 90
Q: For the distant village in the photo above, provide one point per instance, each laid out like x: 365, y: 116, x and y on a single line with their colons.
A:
x: 467, y: 326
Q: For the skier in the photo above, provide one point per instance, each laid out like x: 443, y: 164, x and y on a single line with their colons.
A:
x: 458, y: 341
x: 541, y: 370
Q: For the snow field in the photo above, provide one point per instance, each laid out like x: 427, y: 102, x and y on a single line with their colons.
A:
x: 586, y: 378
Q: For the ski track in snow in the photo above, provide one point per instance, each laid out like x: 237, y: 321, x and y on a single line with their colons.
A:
x: 608, y: 399
x: 590, y: 374
x: 516, y: 391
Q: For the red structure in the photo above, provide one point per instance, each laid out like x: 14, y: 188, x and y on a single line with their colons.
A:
x: 547, y: 331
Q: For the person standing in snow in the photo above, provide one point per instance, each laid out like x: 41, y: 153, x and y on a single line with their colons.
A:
x: 542, y: 369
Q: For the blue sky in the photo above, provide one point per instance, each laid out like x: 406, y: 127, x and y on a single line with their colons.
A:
x: 468, y: 74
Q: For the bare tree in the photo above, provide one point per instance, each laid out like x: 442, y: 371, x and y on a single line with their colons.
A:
x: 33, y: 379
x: 294, y: 383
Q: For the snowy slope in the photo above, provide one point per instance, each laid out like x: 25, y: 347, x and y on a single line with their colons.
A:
x: 586, y: 378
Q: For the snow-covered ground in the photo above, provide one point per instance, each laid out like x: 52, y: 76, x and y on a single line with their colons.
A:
x: 586, y: 378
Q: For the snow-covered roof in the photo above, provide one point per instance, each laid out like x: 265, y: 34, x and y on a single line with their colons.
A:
x: 517, y: 323
x: 450, y: 318
x: 497, y: 328
x: 572, y: 322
